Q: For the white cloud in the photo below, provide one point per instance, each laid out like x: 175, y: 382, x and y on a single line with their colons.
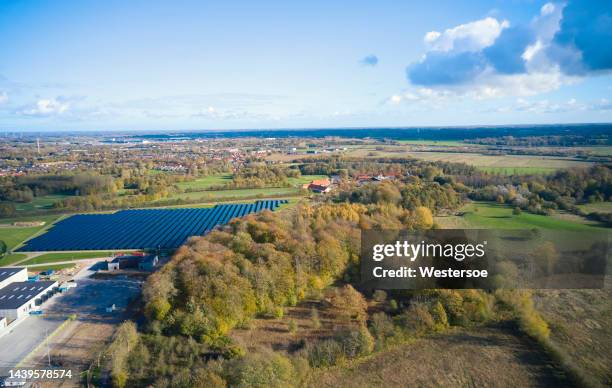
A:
x: 47, y: 107
x: 3, y: 98
x: 473, y: 36
x: 547, y: 9
x: 539, y: 75
x: 487, y: 86
x: 395, y: 99
x: 431, y: 36
x: 531, y: 50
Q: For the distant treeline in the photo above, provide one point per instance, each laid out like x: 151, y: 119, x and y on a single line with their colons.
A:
x: 547, y: 141
x: 409, y: 133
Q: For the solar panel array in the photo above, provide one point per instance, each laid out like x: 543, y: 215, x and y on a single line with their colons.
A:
x: 139, y: 229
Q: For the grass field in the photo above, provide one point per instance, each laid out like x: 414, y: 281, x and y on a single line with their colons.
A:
x: 205, y: 183
x: 211, y: 196
x: 39, y: 203
x: 505, y: 161
x: 500, y: 162
x: 13, y: 236
x: 443, y: 143
x: 66, y: 256
x: 487, y: 215
x: 518, y: 170
x: 11, y: 259
x: 601, y: 207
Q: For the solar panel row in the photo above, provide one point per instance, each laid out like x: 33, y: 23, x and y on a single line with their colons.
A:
x: 139, y: 229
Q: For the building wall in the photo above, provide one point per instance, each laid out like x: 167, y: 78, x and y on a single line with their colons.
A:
x: 21, y: 276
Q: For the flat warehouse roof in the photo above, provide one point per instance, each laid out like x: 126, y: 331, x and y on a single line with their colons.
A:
x: 17, y: 294
x: 6, y: 273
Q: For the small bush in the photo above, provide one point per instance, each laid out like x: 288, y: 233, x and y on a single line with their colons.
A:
x: 439, y: 316
x: 356, y: 343
x: 292, y: 326
x: 325, y: 353
x: 393, y: 305
x: 416, y: 320
x: 380, y: 296
x: 383, y: 330
x: 260, y: 369
x: 314, y: 318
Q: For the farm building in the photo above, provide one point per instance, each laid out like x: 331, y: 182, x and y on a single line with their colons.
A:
x: 18, y: 299
x: 11, y: 275
x: 319, y: 186
x: 144, y: 263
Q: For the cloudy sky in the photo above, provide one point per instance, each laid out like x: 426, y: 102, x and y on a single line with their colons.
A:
x: 96, y: 65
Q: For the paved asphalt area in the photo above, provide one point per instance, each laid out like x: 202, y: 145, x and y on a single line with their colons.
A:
x: 88, y: 301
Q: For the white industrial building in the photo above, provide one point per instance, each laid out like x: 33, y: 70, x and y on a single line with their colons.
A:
x: 12, y: 275
x: 18, y: 299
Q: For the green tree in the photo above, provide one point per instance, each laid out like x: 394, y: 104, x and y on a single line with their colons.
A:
x: 3, y: 248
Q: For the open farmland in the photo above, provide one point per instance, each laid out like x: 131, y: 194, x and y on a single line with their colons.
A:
x: 40, y: 204
x: 598, y: 207
x: 222, y: 195
x: 488, y: 215
x: 505, y: 161
x: 139, y: 229
x: 206, y: 183
x: 518, y: 170
x: 543, y: 163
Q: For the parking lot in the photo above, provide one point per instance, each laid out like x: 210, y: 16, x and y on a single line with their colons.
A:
x: 79, y: 310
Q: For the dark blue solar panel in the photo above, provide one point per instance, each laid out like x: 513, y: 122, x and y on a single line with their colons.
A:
x: 139, y: 229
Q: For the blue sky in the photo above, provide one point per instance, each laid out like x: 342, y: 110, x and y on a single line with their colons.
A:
x: 95, y: 65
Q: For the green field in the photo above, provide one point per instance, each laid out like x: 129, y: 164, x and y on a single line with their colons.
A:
x: 444, y: 143
x: 500, y: 161
x: 206, y: 183
x: 211, y: 196
x: 39, y: 203
x: 599, y: 207
x: 518, y: 170
x: 66, y: 256
x: 486, y: 215
x: 13, y: 236
x: 11, y: 259
x: 55, y: 267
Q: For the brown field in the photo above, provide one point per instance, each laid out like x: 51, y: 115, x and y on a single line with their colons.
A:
x: 77, y: 346
x: 274, y: 333
x: 491, y: 357
x: 474, y: 159
x: 581, y: 328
